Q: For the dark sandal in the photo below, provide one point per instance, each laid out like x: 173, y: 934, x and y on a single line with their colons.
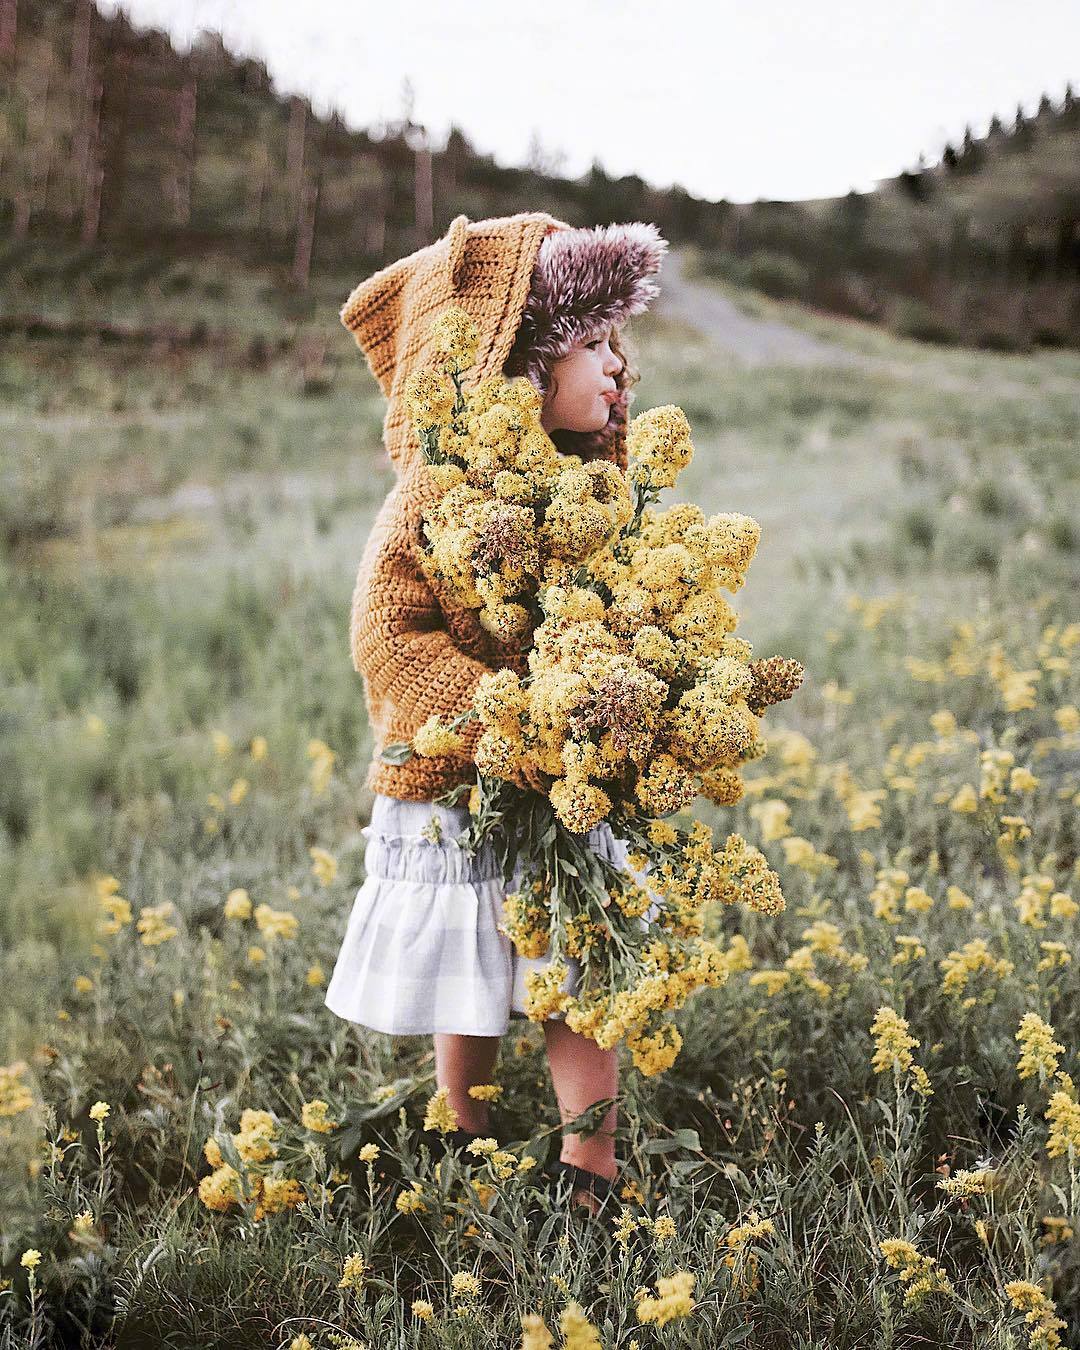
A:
x: 580, y: 1178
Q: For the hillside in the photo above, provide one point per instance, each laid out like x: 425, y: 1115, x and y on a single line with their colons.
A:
x: 133, y: 174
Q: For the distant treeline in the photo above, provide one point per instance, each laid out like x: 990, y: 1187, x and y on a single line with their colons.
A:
x: 112, y: 138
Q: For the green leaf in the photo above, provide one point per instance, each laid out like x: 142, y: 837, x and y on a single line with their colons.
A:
x: 398, y: 752
x: 680, y: 1139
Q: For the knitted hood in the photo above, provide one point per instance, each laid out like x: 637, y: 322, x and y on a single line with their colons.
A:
x: 533, y: 285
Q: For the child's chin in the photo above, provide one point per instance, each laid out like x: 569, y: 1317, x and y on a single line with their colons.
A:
x: 601, y: 422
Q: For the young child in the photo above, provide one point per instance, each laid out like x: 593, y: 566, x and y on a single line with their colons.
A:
x: 422, y: 953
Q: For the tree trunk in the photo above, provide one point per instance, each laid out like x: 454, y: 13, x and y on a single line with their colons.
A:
x: 294, y: 153
x: 422, y: 192
x: 185, y: 149
x: 9, y: 15
x: 86, y: 94
x: 20, y: 223
x: 305, y: 234
x: 375, y: 225
x: 92, y: 175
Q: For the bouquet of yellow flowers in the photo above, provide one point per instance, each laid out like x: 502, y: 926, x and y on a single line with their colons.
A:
x: 639, y: 698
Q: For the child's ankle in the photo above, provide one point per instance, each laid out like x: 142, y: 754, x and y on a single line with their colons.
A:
x: 601, y: 1163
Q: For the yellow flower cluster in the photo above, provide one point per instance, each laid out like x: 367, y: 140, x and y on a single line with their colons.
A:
x: 893, y: 1047
x: 1040, y: 1050
x: 1040, y: 1314
x: 657, y: 965
x: 1037, y: 898
x: 275, y: 923
x: 964, y: 1183
x: 578, y: 1333
x: 238, y: 904
x: 15, y: 1094
x: 486, y: 1092
x: 435, y: 739
x: 674, y: 1299
x: 313, y: 1117
x: 439, y: 1114
x: 115, y: 906
x: 323, y: 865
x: 322, y: 766
x: 921, y: 1275
x: 971, y: 959
x: 739, y: 1258
x: 1063, y: 1117
x: 353, y: 1272
x: 508, y: 505
x: 255, y: 1143
x: 464, y: 1285
x: 153, y: 923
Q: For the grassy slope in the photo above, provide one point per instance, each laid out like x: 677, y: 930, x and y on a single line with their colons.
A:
x: 212, y: 521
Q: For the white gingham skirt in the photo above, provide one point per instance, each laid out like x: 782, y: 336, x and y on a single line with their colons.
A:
x: 422, y: 952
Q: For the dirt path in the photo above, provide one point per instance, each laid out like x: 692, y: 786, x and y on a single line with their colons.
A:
x: 752, y: 341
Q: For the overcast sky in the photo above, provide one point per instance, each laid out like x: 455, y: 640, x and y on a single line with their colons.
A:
x: 728, y: 98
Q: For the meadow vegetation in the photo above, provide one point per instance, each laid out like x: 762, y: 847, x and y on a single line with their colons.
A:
x: 871, y: 1136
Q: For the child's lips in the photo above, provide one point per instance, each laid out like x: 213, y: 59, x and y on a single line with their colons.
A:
x: 610, y: 395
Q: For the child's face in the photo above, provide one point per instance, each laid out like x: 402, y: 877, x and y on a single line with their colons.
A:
x: 581, y: 386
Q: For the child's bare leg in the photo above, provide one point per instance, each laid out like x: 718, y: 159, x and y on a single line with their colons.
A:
x: 581, y: 1074
x: 462, y: 1062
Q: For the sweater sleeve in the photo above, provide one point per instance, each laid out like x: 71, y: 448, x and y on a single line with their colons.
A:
x: 399, y: 640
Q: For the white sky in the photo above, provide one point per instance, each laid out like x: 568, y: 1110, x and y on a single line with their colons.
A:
x: 730, y: 99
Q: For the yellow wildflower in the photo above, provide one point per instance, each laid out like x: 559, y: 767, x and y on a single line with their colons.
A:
x: 324, y: 865
x: 1040, y: 1314
x: 1063, y: 1117
x: 465, y: 1285
x: 674, y: 1299
x: 965, y: 802
x: 893, y: 1046
x: 153, y: 923
x: 921, y: 1274
x: 1040, y: 1050
x: 578, y: 1332
x: 486, y: 1092
x: 534, y: 1333
x: 434, y: 739
x: 353, y: 1272
x: 238, y: 904
x: 313, y: 1117
x: 275, y: 923
x: 439, y: 1114
x: 964, y: 1183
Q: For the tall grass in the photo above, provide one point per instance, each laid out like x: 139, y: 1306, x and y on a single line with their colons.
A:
x: 182, y: 591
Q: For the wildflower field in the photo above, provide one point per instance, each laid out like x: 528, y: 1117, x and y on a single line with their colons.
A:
x: 871, y: 1135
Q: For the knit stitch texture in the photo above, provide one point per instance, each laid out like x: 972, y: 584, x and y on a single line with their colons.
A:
x: 419, y: 651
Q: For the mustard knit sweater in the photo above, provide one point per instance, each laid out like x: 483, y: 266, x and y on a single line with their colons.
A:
x: 420, y: 652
